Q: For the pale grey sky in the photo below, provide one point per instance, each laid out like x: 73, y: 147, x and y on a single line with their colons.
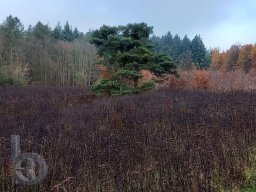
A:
x: 220, y: 23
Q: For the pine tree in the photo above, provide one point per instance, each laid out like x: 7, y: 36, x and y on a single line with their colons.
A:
x: 42, y: 32
x: 58, y: 33
x: 156, y: 43
x: 67, y: 32
x: 185, y: 44
x: 176, y: 48
x: 12, y: 31
x: 167, y: 44
x: 199, y: 52
x: 75, y: 34
x: 127, y: 50
x: 186, y: 60
x: 11, y: 53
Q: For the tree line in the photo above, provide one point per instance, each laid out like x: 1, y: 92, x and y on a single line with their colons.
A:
x: 64, y: 56
x: 186, y: 53
x: 235, y: 58
x: 40, y: 55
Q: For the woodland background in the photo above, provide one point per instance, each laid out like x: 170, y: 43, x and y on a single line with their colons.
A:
x: 63, y: 56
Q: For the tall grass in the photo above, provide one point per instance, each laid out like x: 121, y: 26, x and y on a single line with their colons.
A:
x: 164, y: 140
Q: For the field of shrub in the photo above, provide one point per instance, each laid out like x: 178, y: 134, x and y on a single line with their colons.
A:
x: 163, y: 140
x: 213, y: 80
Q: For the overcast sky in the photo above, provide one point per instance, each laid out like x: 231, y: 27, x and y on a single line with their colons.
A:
x: 220, y: 23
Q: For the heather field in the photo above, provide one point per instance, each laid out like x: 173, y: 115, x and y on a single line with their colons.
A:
x: 163, y: 140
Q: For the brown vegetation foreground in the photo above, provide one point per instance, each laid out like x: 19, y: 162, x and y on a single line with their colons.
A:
x: 160, y: 141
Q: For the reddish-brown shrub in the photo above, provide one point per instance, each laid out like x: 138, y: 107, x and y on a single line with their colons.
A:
x: 104, y: 72
x: 200, y: 79
x: 193, y: 79
x: 176, y: 83
x: 213, y: 80
x: 147, y: 76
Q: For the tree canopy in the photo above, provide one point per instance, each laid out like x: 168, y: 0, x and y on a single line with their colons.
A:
x: 185, y: 53
x: 42, y: 56
x: 126, y: 50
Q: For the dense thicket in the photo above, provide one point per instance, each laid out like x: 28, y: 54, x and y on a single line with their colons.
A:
x: 40, y: 55
x: 159, y: 141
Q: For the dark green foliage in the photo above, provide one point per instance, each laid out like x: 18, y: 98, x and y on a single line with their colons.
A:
x: 147, y: 86
x: 65, y: 34
x: 185, y: 44
x: 75, y: 34
x: 185, y: 53
x: 106, y: 86
x: 176, y: 48
x: 199, y: 52
x: 12, y: 32
x: 126, y: 50
x: 101, y: 36
x: 58, y: 32
x: 156, y: 43
x: 129, y: 74
x: 137, y: 31
x: 162, y: 64
x: 113, y: 87
x: 6, y: 81
x: 42, y: 32
x: 7, y: 78
x: 169, y: 45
